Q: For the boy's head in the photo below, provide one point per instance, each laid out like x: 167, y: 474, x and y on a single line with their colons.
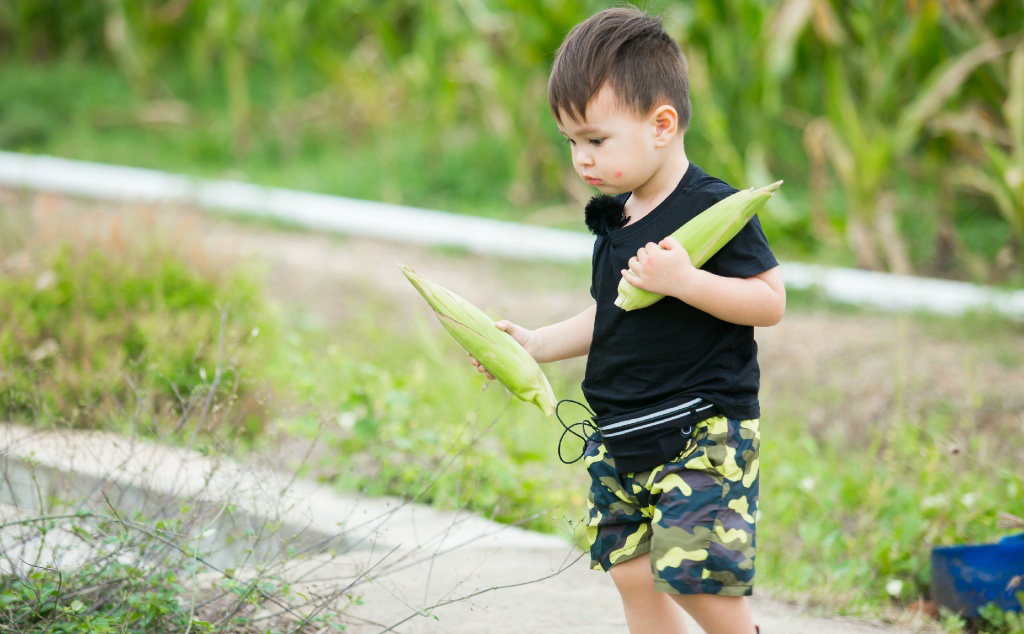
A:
x: 627, y: 50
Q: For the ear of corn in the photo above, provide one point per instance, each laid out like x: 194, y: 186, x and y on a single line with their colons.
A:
x: 502, y: 355
x: 704, y: 235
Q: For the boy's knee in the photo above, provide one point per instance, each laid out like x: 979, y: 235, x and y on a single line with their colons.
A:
x: 634, y: 576
x: 698, y: 603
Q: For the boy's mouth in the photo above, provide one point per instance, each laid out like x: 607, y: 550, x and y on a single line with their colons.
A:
x: 591, y: 180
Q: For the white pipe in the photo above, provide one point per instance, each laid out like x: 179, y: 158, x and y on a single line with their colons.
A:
x: 315, y: 211
x: 477, y: 235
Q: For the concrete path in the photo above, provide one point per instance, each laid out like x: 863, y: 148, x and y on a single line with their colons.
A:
x: 410, y: 568
x: 538, y: 590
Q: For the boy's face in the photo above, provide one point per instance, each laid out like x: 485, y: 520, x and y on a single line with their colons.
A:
x: 612, y: 148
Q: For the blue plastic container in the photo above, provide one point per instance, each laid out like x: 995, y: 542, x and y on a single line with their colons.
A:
x: 964, y: 578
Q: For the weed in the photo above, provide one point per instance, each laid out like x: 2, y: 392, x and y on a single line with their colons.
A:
x: 995, y: 620
x: 91, y: 333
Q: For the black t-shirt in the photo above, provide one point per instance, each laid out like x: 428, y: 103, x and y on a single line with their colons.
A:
x: 670, y: 350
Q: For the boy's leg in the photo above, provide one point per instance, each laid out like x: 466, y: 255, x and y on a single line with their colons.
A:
x: 717, y: 614
x: 647, y: 611
x: 703, y: 532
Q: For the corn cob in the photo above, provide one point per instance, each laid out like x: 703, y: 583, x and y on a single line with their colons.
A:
x: 496, y: 350
x: 704, y: 235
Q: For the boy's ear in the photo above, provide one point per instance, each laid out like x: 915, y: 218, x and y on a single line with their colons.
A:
x: 666, y: 124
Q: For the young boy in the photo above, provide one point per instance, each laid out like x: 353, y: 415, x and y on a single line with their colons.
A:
x: 673, y: 386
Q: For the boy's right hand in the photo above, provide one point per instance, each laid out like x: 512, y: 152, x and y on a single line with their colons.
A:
x: 523, y: 336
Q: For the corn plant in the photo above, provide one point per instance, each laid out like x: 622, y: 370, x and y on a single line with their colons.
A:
x: 1000, y: 174
x: 877, y: 102
x: 748, y: 68
x: 842, y: 91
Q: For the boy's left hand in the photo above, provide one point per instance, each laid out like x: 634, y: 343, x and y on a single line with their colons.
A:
x: 664, y: 268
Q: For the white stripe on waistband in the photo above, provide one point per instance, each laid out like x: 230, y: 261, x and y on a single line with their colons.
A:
x: 657, y: 422
x: 663, y: 412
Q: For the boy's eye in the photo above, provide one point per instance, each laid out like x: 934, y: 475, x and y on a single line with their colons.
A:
x: 597, y: 142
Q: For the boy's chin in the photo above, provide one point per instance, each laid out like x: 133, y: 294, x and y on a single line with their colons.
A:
x: 609, y: 189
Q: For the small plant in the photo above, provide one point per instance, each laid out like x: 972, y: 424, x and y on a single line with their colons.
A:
x: 91, y: 333
x: 108, y: 572
x: 995, y: 620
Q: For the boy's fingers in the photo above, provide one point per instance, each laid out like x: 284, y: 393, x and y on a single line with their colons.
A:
x: 634, y: 266
x: 670, y: 243
x: 482, y: 370
x: 479, y: 366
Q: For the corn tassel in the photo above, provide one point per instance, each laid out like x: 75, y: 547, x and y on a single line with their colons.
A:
x: 496, y: 350
x: 703, y: 236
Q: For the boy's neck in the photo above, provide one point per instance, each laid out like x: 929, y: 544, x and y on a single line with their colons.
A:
x: 644, y: 199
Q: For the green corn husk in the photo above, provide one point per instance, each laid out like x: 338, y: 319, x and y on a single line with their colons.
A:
x: 502, y: 355
x: 704, y: 235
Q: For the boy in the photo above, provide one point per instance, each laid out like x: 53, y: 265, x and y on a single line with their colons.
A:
x: 673, y: 386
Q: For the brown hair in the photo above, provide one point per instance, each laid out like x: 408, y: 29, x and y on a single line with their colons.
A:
x: 629, y: 50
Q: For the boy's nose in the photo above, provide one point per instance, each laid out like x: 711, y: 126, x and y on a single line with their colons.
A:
x: 582, y: 158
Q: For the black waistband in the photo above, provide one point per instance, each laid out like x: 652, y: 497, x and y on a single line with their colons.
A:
x: 646, y: 438
x: 676, y: 414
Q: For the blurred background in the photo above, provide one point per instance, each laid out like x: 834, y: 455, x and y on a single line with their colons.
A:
x: 898, y: 128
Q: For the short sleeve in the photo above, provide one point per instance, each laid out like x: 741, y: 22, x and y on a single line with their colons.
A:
x: 745, y: 255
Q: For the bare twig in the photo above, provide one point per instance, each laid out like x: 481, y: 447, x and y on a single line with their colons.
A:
x: 482, y: 591
x: 218, y: 371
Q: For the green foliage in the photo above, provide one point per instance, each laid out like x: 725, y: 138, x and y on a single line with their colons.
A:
x: 90, y: 335
x: 861, y: 107
x: 114, y: 588
x: 407, y: 415
x: 46, y: 602
x: 140, y: 575
x: 999, y: 621
x: 852, y: 508
x: 879, y: 505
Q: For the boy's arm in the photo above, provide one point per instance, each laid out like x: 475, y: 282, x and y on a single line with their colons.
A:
x: 562, y: 340
x: 666, y: 268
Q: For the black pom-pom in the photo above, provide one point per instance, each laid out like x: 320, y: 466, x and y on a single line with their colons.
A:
x: 604, y: 213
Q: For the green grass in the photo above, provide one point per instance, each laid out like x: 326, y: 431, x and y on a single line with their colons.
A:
x: 108, y: 122
x: 90, y: 333
x: 844, y: 513
x: 399, y: 406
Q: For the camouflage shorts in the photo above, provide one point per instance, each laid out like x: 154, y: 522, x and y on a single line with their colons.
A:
x: 694, y: 515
